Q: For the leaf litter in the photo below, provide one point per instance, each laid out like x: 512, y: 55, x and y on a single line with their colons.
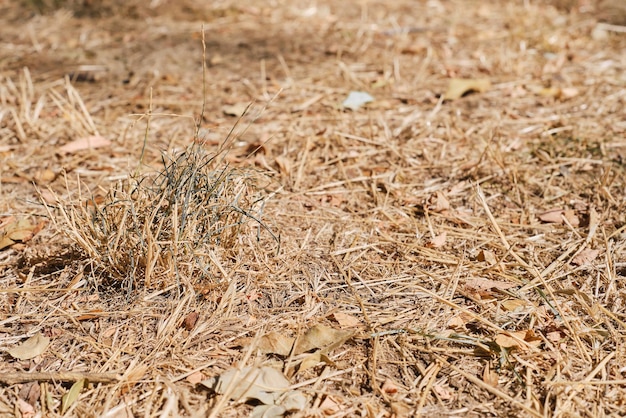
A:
x: 347, y: 203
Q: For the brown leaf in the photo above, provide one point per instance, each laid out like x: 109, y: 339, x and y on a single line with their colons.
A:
x: 487, y: 256
x: 514, y: 304
x: 88, y: 142
x: 195, y: 378
x: 18, y: 232
x: 490, y: 376
x: 519, y: 339
x: 345, y: 320
x: 190, y: 321
x: 439, y: 203
x: 321, y: 337
x: 438, y: 241
x: 557, y: 216
x: 389, y: 386
x: 276, y: 343
x: 585, y: 257
x: 329, y: 406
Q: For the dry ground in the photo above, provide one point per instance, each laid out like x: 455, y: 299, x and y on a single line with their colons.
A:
x: 422, y: 226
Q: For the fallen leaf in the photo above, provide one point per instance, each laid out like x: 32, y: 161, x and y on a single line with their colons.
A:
x: 345, y: 320
x: 195, y: 378
x: 31, y: 348
x: 512, y: 305
x: 585, y: 257
x: 389, y: 387
x: 72, y: 395
x: 238, y: 109
x: 556, y: 216
x: 518, y: 339
x: 444, y: 392
x: 276, y: 343
x: 356, y: 99
x: 490, y: 376
x: 456, y: 322
x: 439, y: 241
x: 18, y: 232
x: 190, y: 321
x: 329, y: 406
x: 88, y: 142
x: 264, y: 384
x: 458, y: 87
x: 322, y: 337
x: 439, y: 203
x: 26, y: 409
x: 480, y: 283
x: 487, y: 256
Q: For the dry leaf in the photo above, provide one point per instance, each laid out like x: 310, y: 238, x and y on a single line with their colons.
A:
x: 458, y: 87
x: 518, y: 339
x: 238, y: 109
x: 456, y: 322
x: 487, y: 284
x: 553, y: 216
x: 88, y: 142
x: 264, y: 384
x: 321, y: 337
x: 329, y: 406
x: 276, y: 343
x: 71, y: 396
x: 389, y: 387
x: 490, y: 376
x: 18, y: 232
x: 345, y: 320
x: 26, y: 409
x: 585, y: 257
x: 444, y: 392
x: 513, y: 304
x: 190, y: 321
x: 195, y: 378
x: 439, y: 203
x: 438, y: 241
x: 31, y: 348
x: 487, y: 256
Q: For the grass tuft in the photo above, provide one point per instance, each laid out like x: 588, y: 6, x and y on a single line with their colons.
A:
x: 157, y: 230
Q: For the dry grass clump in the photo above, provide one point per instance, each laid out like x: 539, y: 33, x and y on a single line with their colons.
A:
x: 154, y: 230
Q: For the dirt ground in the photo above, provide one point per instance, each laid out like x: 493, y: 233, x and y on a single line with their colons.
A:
x: 169, y: 229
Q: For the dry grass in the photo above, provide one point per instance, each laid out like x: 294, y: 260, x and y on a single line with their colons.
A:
x: 419, y: 224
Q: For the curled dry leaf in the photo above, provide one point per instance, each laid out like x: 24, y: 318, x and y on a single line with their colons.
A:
x: 458, y: 87
x: 31, y: 348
